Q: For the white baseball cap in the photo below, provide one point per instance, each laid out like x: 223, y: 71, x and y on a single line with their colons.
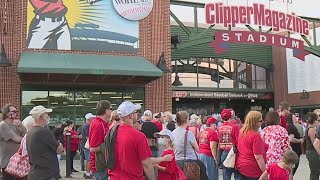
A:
x: 38, y: 111
x: 89, y: 115
x: 127, y: 108
x: 147, y: 113
x: 165, y: 132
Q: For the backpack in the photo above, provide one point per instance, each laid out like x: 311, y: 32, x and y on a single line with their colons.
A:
x: 110, y: 145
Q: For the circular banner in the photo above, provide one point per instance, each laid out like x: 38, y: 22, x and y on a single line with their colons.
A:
x: 133, y: 10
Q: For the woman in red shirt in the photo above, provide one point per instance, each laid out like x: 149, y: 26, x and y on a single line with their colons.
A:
x: 208, y: 148
x: 250, y: 160
x: 74, y: 141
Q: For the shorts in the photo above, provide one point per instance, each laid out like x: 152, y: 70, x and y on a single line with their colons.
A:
x: 86, y: 154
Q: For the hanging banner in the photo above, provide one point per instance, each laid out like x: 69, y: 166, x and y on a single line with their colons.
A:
x: 221, y: 95
x: 257, y: 14
x: 223, y: 39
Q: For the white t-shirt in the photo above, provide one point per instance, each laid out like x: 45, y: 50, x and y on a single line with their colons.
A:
x: 178, y: 141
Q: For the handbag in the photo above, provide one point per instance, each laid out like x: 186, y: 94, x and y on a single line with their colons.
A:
x: 191, y: 169
x: 18, y: 165
x: 230, y: 161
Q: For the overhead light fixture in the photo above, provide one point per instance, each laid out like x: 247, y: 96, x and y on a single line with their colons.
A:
x: 215, y: 76
x: 4, y: 61
x: 177, y: 81
x: 175, y: 39
x: 304, y: 95
x: 162, y: 64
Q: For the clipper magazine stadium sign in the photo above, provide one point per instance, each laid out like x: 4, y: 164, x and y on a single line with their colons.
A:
x: 217, y: 13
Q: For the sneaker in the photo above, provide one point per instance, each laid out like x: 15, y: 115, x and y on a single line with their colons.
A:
x: 88, y: 177
x: 73, y: 170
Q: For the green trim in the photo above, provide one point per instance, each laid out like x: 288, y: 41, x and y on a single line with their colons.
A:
x: 197, y: 46
x: 60, y: 63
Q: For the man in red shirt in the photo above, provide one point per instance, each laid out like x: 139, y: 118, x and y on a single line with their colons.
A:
x: 132, y: 152
x: 284, y: 111
x: 99, y: 127
x: 228, y: 134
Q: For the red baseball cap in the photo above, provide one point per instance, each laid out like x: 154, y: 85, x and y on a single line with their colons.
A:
x: 226, y: 114
x: 211, y: 120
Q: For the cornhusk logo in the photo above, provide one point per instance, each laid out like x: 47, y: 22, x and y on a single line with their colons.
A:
x: 133, y: 10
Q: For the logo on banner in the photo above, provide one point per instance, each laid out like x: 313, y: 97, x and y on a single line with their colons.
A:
x: 217, y: 13
x: 224, y: 38
x: 133, y: 10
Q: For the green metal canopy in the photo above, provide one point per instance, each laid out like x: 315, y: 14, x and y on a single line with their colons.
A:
x: 62, y: 63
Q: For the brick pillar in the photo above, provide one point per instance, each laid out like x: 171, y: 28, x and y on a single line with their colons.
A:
x: 280, y: 80
x: 157, y: 29
x: 9, y: 79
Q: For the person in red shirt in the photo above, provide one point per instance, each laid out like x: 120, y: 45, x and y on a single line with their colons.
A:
x: 99, y: 127
x: 131, y: 151
x: 208, y: 148
x: 284, y: 111
x: 168, y: 170
x: 282, y: 169
x: 251, y: 149
x: 159, y: 118
x: 228, y: 134
x: 74, y: 142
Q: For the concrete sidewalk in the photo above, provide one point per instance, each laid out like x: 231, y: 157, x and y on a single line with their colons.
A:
x: 302, y: 172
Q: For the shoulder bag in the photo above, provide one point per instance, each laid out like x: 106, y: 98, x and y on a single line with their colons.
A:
x: 18, y: 165
x: 191, y: 168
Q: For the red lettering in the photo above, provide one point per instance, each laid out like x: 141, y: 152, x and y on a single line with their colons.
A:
x: 268, y: 18
x: 275, y: 24
x: 242, y: 14
x: 298, y: 25
x: 249, y: 12
x: 209, y: 17
x: 305, y: 25
x: 289, y: 22
x: 235, y: 15
x: 226, y: 16
x: 282, y: 20
x: 259, y: 18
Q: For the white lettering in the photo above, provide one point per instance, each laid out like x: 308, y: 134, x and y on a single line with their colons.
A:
x: 225, y: 37
x: 238, y: 36
x: 250, y: 38
x: 263, y: 38
x: 295, y: 44
x: 283, y: 41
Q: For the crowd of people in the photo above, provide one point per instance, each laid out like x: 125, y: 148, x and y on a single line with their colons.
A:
x: 127, y: 144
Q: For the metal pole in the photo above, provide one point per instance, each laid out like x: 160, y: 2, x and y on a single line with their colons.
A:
x: 68, y: 154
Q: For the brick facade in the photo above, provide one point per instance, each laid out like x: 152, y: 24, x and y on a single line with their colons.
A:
x: 154, y: 38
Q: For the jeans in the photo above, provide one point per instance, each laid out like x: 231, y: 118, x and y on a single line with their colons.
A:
x: 227, y: 172
x: 211, y: 166
x: 314, y: 164
x: 101, y: 175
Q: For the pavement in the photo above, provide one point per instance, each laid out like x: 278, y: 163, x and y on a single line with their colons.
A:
x: 301, y: 174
